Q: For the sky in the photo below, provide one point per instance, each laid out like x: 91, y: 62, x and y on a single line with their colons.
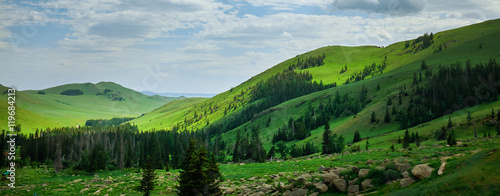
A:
x: 200, y: 46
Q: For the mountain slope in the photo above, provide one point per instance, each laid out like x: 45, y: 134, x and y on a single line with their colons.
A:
x: 399, y: 62
x: 104, y: 100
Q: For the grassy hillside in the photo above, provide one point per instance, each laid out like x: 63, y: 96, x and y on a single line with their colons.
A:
x: 462, y: 44
x: 48, y: 108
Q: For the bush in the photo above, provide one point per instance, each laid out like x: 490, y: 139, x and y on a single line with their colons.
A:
x: 392, y: 175
x: 377, y: 176
x: 72, y: 92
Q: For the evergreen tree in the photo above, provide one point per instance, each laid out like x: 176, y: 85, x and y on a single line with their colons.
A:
x: 469, y: 118
x: 282, y: 149
x: 392, y: 147
x: 148, y: 181
x: 373, y: 118
x: 387, y: 117
x: 389, y: 101
x: 367, y: 143
x: 451, y: 139
x: 326, y: 140
x: 98, y: 158
x: 357, y: 137
x: 214, y: 177
x: 271, y: 152
x: 423, y: 65
x: 417, y: 139
x: 406, y: 139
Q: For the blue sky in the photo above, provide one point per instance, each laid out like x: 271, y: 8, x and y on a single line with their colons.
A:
x: 200, y: 46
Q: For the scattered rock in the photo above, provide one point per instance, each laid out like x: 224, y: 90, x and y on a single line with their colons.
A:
x: 286, y: 193
x: 338, y: 170
x: 76, y: 181
x: 406, y: 182
x: 402, y: 166
x: 366, y: 183
x: 405, y: 174
x: 441, y: 168
x: 422, y: 171
x: 314, y: 194
x: 308, y: 184
x: 227, y: 190
x: 339, y: 184
x: 298, y: 192
x: 329, y: 177
x: 83, y: 190
x: 353, y: 189
x: 260, y: 193
x: 321, y: 168
x: 353, y: 181
x: 381, y: 167
x: 363, y: 172
x: 321, y: 187
x: 355, y: 169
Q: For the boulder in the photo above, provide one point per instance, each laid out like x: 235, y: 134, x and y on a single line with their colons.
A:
x: 366, y: 183
x: 405, y: 174
x: 308, y: 184
x: 329, y: 177
x: 441, y: 168
x: 300, y: 179
x: 422, y: 171
x: 353, y: 181
x: 314, y: 194
x: 402, y: 166
x: 339, y: 184
x: 363, y: 172
x: 381, y: 167
x: 406, y: 182
x: 353, y: 189
x: 76, y: 181
x: 338, y: 170
x: 298, y: 192
x: 321, y: 187
x: 286, y: 193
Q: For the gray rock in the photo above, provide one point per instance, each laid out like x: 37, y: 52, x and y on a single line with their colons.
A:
x: 314, y: 194
x: 355, y: 169
x: 83, y: 190
x: 381, y: 167
x: 366, y: 183
x: 339, y: 184
x: 260, y: 193
x: 353, y: 181
x: 422, y: 171
x: 402, y: 166
x: 405, y: 174
x: 321, y: 187
x: 338, y: 170
x: 286, y: 193
x: 321, y: 168
x: 363, y: 172
x: 298, y: 192
x: 329, y: 177
x: 441, y: 168
x: 354, y: 189
x: 406, y: 182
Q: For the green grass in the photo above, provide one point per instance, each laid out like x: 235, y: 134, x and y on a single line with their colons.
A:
x: 40, y: 111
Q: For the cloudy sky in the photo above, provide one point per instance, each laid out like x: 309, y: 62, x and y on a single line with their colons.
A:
x: 200, y: 46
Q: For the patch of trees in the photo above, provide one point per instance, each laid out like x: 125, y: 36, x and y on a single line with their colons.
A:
x: 338, y: 105
x: 110, y: 95
x: 331, y: 143
x: 199, y: 173
x: 344, y: 69
x: 249, y: 148
x: 307, y: 149
x: 308, y: 62
x: 279, y: 88
x: 450, y: 89
x: 421, y: 42
x: 41, y: 92
x: 72, y: 92
x: 107, y: 122
x: 97, y: 148
x: 368, y: 70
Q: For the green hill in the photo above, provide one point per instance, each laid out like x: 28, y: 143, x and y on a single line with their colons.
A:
x: 478, y: 42
x: 104, y: 100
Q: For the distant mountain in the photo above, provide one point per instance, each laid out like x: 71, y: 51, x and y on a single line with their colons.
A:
x: 207, y: 95
x: 73, y: 104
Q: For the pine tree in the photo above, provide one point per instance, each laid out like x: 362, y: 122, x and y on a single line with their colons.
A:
x: 373, y: 118
x: 357, y: 137
x: 148, y: 181
x: 271, y: 152
x: 392, y: 147
x: 214, y: 176
x: 367, y: 143
x: 406, y: 139
x: 389, y: 101
x: 451, y: 138
x: 282, y: 149
x: 387, y: 117
x: 58, y: 160
x: 326, y: 140
x: 417, y: 139
x: 423, y: 65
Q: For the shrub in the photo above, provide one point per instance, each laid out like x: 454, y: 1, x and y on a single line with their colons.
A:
x: 72, y: 92
x: 392, y: 175
x: 377, y: 176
